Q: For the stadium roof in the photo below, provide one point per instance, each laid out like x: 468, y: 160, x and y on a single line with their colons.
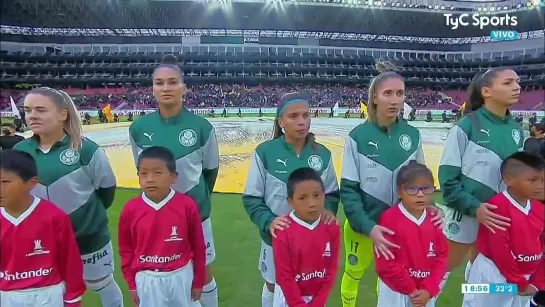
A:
x: 382, y: 18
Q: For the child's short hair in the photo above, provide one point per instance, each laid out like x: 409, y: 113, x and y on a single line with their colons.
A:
x: 519, y: 162
x: 159, y: 153
x: 412, y: 170
x: 18, y: 162
x: 302, y: 174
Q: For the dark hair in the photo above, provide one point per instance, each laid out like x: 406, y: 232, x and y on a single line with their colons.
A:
x: 412, y: 171
x: 521, y: 161
x: 159, y: 153
x: 386, y: 71
x: 540, y: 127
x: 474, y: 91
x: 277, y: 130
x: 300, y: 175
x: 18, y: 162
x: 170, y: 61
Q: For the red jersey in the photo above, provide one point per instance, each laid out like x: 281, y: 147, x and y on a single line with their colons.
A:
x: 306, y: 260
x: 518, y: 251
x: 421, y: 261
x: 161, y: 237
x: 38, y: 249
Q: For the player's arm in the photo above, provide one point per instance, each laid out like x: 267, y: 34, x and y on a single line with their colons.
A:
x: 439, y: 266
x: 332, y: 196
x: 254, y: 196
x: 102, y: 175
x: 134, y: 147
x: 450, y: 173
x: 350, y: 190
x: 502, y: 257
x: 420, y: 158
x: 537, y: 280
x: 196, y: 240
x: 211, y: 160
x: 126, y: 248
x: 70, y: 265
x: 328, y: 283
x: 285, y: 275
x: 391, y: 272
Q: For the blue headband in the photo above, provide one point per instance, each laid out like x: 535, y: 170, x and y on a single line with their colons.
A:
x: 280, y: 111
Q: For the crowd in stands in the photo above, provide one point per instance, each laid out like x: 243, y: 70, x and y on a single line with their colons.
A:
x: 236, y: 95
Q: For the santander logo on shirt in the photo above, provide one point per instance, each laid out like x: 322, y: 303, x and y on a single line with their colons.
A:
x: 309, y: 276
x: 25, y: 275
x: 529, y: 258
x: 159, y: 259
x: 419, y: 273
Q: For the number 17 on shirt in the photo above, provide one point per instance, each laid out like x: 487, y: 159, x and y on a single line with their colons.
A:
x: 489, y: 289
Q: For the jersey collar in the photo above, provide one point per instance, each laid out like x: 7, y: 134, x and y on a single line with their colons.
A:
x: 303, y: 223
x: 393, y: 127
x: 411, y: 217
x: 63, y: 142
x: 495, y: 118
x: 18, y: 220
x: 176, y: 119
x: 306, y: 149
x: 525, y: 210
x: 159, y: 205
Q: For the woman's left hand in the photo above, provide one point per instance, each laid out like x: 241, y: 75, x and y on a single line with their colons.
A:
x: 438, y: 218
x: 328, y: 217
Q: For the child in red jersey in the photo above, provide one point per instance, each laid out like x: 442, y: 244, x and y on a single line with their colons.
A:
x: 161, y: 240
x: 413, y: 277
x: 306, y: 254
x: 40, y: 262
x: 513, y: 255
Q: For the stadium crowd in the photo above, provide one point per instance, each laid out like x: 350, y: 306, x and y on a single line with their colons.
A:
x: 236, y: 95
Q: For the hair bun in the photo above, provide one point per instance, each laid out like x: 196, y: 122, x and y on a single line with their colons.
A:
x: 413, y: 162
x: 384, y: 67
x: 170, y: 59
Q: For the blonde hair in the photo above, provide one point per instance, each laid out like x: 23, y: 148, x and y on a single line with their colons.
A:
x: 386, y: 71
x: 72, y: 124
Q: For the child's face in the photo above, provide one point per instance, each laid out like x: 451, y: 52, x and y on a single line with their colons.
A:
x: 308, y: 200
x: 12, y: 188
x: 155, y: 178
x: 417, y: 194
x: 528, y: 184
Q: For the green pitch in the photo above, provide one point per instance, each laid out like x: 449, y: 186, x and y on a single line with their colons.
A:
x: 237, y: 248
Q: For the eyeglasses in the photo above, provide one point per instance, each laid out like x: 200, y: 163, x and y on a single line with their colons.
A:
x: 414, y: 190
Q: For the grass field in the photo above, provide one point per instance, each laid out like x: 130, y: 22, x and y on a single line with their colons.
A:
x: 237, y: 247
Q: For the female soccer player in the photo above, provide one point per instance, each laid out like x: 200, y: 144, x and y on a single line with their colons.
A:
x: 265, y: 196
x: 474, y: 150
x: 306, y: 254
x: 192, y: 140
x: 39, y: 257
x: 161, y: 241
x: 514, y: 255
x: 75, y: 175
x: 413, y: 278
x: 374, y: 152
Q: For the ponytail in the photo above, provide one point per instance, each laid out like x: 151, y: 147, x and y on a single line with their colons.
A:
x: 277, y: 130
x: 72, y: 125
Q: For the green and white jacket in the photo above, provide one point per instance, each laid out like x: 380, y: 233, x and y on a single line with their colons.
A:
x: 469, y: 171
x: 372, y: 158
x: 192, y: 140
x: 81, y: 183
x: 265, y: 196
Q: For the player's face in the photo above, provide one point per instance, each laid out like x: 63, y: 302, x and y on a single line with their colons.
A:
x: 168, y: 87
x: 42, y: 114
x: 389, y: 97
x: 504, y: 88
x: 12, y: 188
x: 296, y: 120
x: 528, y: 184
x: 416, y: 195
x: 308, y: 200
x: 155, y: 178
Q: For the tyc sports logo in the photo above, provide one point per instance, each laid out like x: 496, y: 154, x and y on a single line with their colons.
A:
x: 480, y: 21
